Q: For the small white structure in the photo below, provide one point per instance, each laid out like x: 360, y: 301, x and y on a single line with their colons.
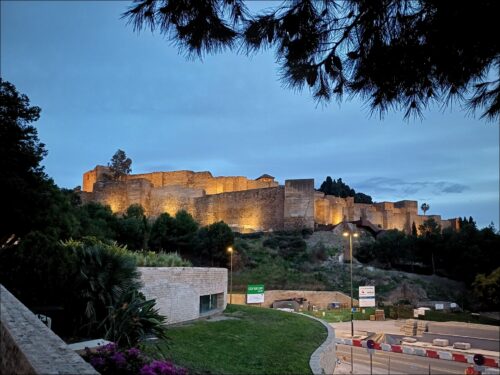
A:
x: 185, y: 293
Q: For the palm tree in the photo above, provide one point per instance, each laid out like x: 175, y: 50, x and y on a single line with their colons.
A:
x: 425, y: 207
x: 105, y: 274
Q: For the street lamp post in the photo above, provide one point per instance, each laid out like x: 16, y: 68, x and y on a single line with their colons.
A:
x: 230, y: 251
x: 351, y: 234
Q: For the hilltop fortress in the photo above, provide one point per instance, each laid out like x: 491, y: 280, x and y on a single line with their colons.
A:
x: 246, y: 205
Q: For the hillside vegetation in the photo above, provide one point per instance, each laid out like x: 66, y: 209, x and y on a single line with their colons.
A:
x: 310, y: 261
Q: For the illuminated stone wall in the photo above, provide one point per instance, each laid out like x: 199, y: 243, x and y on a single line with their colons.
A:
x: 91, y: 177
x: 204, y: 181
x: 244, y: 211
x: 386, y: 215
x: 246, y: 205
x: 299, y: 204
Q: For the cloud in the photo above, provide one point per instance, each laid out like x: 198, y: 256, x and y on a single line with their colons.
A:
x: 383, y: 186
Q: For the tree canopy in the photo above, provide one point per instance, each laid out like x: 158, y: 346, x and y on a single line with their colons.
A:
x: 394, y: 54
x: 120, y: 165
x: 22, y: 176
x: 341, y: 189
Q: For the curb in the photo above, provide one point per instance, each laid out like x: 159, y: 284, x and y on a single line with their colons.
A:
x: 328, y: 344
x: 437, y: 354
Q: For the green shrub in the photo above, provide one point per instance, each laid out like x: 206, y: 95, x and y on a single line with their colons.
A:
x: 133, y: 319
x: 271, y: 242
x: 152, y: 259
x: 105, y: 273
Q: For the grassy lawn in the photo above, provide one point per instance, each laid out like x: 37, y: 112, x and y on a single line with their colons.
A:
x: 256, y: 341
x: 342, y: 315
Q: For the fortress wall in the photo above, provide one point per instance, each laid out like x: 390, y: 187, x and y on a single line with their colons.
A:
x: 172, y: 199
x: 420, y: 219
x: 196, y: 180
x: 244, y: 211
x: 111, y: 193
x: 373, y: 215
x: 337, y: 208
x: 322, y: 212
x: 155, y: 178
x: 260, y: 184
x: 299, y: 204
x: 202, y: 180
x: 119, y: 195
x: 189, y: 179
x: 400, y: 221
x: 387, y: 215
x: 407, y: 205
x: 246, y: 205
x: 91, y: 177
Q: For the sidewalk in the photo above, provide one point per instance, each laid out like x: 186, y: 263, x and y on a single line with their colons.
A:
x: 345, y: 368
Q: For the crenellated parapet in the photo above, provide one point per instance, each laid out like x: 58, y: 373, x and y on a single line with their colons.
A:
x: 246, y: 205
x: 401, y: 215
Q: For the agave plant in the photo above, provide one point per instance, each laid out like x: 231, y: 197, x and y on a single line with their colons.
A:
x: 133, y: 320
x: 106, y: 274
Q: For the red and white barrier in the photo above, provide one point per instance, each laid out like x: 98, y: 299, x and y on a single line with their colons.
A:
x: 411, y: 350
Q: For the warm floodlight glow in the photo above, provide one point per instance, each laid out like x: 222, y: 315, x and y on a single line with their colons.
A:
x: 355, y: 235
x: 345, y: 234
x: 230, y: 249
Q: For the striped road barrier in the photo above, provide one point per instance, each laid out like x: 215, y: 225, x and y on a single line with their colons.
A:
x: 411, y: 350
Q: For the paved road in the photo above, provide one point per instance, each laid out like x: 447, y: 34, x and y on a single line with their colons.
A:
x: 399, y: 363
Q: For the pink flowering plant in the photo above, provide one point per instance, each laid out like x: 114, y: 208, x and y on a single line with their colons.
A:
x: 110, y: 359
x: 162, y: 368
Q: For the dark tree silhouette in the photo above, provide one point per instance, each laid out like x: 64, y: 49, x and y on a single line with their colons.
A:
x: 23, y: 180
x: 120, y: 165
x: 395, y: 54
x: 341, y: 189
x: 425, y: 207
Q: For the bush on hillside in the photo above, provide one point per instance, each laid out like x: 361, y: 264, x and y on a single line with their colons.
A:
x: 105, y: 274
x: 134, y: 319
x: 161, y: 259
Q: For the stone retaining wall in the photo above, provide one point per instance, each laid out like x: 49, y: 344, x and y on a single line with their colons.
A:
x: 27, y: 346
x: 320, y: 299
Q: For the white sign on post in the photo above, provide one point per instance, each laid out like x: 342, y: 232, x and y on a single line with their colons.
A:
x: 439, y: 306
x: 367, y: 296
x: 367, y: 302
x: 366, y: 291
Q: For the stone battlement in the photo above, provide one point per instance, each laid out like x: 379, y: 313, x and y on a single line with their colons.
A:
x: 187, y: 179
x: 244, y: 204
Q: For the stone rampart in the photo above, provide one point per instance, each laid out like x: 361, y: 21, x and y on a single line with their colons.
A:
x: 246, y: 205
x: 27, y: 346
x: 188, y: 179
x: 384, y: 215
x: 299, y: 204
x: 244, y: 211
x: 177, y: 290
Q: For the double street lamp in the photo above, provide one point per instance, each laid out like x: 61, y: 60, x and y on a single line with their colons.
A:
x: 230, y: 251
x: 350, y: 233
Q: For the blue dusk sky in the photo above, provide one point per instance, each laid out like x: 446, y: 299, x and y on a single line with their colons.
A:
x: 101, y: 87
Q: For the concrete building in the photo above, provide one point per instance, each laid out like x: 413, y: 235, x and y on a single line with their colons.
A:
x: 185, y: 293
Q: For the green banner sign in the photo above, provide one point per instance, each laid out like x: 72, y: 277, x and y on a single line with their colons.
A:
x: 255, y: 289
